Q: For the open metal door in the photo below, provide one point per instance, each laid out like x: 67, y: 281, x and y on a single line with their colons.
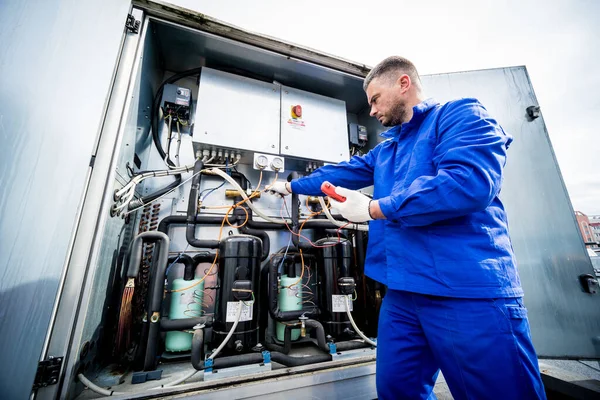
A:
x: 565, y: 319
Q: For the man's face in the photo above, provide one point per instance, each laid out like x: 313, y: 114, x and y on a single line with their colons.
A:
x: 387, y: 100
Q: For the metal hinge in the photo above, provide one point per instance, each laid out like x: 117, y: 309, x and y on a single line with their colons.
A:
x: 48, y: 372
x: 132, y: 24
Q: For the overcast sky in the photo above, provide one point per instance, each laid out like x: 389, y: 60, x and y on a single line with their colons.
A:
x: 558, y: 41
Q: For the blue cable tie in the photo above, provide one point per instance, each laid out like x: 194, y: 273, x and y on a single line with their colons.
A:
x: 208, y: 365
x: 266, y: 357
x: 332, y: 348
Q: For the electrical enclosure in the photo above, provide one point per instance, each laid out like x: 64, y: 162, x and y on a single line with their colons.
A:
x: 319, y: 133
x: 236, y: 112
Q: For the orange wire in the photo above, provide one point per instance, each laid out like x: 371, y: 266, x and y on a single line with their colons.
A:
x: 313, y: 214
x: 226, y: 219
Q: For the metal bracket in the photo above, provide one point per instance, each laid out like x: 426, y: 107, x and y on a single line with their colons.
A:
x: 132, y: 24
x: 589, y: 283
x: 533, y: 112
x: 48, y: 372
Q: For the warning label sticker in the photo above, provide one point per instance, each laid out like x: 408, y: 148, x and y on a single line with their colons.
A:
x: 232, y: 309
x: 296, y: 123
x: 338, y: 302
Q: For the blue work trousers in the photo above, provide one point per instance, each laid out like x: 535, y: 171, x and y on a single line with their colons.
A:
x: 482, y: 346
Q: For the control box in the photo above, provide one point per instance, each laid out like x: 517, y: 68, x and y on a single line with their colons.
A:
x: 313, y: 126
x: 176, y: 102
x: 236, y: 112
x: 357, y: 135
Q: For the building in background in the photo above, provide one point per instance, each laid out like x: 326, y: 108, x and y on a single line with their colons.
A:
x: 595, y: 226
x: 584, y: 227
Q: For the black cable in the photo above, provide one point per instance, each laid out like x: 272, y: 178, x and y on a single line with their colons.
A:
x: 156, y: 139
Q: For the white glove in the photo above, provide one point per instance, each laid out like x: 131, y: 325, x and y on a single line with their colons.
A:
x: 356, y: 206
x: 280, y: 187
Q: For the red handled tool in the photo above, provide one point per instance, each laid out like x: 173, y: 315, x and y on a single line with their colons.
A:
x: 329, y: 190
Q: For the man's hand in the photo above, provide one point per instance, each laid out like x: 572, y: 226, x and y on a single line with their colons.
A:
x: 282, y: 188
x: 355, y: 208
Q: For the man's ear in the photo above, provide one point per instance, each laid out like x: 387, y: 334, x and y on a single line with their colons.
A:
x: 404, y: 82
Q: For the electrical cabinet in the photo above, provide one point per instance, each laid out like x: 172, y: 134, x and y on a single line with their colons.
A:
x: 319, y: 132
x: 236, y: 112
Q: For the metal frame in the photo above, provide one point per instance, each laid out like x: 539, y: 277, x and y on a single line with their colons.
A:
x: 94, y: 213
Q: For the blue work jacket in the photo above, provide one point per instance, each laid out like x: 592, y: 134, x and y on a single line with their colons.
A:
x: 437, y: 179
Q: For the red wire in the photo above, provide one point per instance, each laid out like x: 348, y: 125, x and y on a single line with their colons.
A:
x: 301, y: 226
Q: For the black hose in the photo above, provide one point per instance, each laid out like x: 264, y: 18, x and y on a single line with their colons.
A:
x: 203, y: 257
x: 198, y: 349
x: 156, y: 139
x: 155, y: 304
x: 166, y: 222
x: 290, y: 361
x: 228, y: 362
x: 168, y: 325
x: 256, y: 358
x: 352, y: 345
x: 287, y: 340
x: 321, y: 341
x: 296, y: 218
x: 188, y: 265
x: 192, y: 211
x: 156, y: 106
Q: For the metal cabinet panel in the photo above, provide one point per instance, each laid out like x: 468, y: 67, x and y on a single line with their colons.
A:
x: 57, y: 63
x: 319, y: 133
x: 236, y: 112
x: 565, y: 321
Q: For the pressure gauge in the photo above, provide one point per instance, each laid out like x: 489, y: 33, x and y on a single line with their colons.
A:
x: 261, y: 162
x: 277, y: 164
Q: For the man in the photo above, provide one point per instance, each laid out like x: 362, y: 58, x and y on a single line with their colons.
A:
x: 438, y: 238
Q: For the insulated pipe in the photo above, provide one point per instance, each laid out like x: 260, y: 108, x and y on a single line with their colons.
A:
x: 274, y: 311
x: 287, y: 340
x: 166, y: 222
x: 352, y: 345
x: 256, y: 358
x: 260, y: 233
x: 188, y: 264
x: 192, y: 211
x: 136, y: 250
x: 168, y: 325
x: 296, y: 218
x: 316, y: 325
x: 158, y: 268
x: 198, y: 349
x: 290, y: 361
x: 203, y: 257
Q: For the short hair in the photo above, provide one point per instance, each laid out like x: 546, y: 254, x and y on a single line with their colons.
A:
x: 394, y: 64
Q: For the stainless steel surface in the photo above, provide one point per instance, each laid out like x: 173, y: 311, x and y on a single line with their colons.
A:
x: 237, y: 112
x: 321, y: 133
x: 170, y: 10
x: 49, y: 106
x: 187, y: 48
x: 565, y: 321
x: 78, y: 291
x: 354, y: 353
x: 341, y: 383
x: 237, y: 371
